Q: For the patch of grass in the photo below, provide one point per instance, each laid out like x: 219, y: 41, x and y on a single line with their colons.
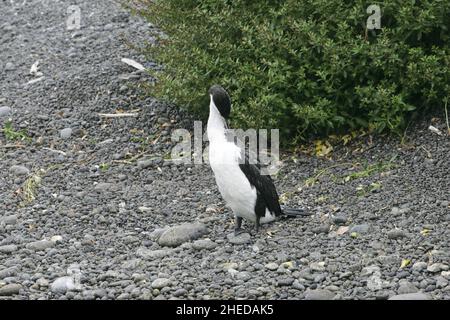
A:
x: 30, y: 187
x: 367, y: 171
x: 313, y: 180
x: 104, y: 167
x: 362, y: 190
x: 371, y: 169
x: 14, y: 135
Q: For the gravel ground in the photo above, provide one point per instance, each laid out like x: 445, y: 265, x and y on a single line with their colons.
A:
x: 90, y: 209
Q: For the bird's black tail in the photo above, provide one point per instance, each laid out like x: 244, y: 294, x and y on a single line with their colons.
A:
x: 290, y: 212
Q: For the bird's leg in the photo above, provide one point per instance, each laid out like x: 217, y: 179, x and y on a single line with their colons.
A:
x: 238, y: 224
x: 257, y: 224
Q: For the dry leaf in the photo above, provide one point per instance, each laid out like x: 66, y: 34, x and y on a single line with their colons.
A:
x: 133, y: 63
x: 342, y: 230
x: 405, y: 262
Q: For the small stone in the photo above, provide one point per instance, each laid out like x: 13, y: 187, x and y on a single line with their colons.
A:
x: 271, y: 266
x: 317, y: 266
x: 42, y: 283
x: 407, y: 287
x: 62, y: 285
x: 411, y: 296
x: 290, y: 265
x: 144, y: 209
x: 10, y: 248
x: 103, y: 187
x: 441, y: 282
x: 241, y: 238
x: 319, y: 294
x: 179, y: 292
x: 4, y: 111
x: 19, y: 170
x: 297, y: 285
x: 161, y: 283
x: 9, y: 272
x: 396, y: 234
x: 321, y: 229
x: 174, y: 236
x: 9, y: 66
x: 11, y: 219
x: 360, y: 228
x: 65, y: 133
x: 283, y: 282
x: 40, y: 245
x: 437, y: 267
x: 144, y: 164
x: 340, y: 219
x: 10, y: 289
x: 332, y: 288
x: 229, y: 265
x: 56, y: 239
x: 211, y: 209
x: 396, y: 211
x: 204, y: 244
x: 419, y: 266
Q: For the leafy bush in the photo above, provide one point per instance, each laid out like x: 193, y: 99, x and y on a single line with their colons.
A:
x: 306, y: 67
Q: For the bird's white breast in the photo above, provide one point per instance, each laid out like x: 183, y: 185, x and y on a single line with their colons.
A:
x: 233, y: 185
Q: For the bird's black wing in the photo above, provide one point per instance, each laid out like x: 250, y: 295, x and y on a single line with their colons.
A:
x: 266, y: 191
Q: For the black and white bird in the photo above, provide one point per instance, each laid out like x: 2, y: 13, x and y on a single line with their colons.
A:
x: 250, y: 194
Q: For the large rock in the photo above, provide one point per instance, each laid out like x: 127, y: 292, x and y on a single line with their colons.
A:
x: 319, y: 294
x: 174, y: 236
x: 19, y: 170
x: 161, y: 283
x: 406, y: 288
x: 9, y: 248
x: 10, y: 289
x: 204, y: 244
x: 65, y: 133
x: 62, y: 285
x: 241, y: 238
x: 40, y: 245
x: 4, y: 111
x: 8, y: 272
x: 153, y: 254
x: 411, y: 296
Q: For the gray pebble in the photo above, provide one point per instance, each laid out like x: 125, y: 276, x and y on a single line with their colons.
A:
x: 396, y: 234
x: 204, y: 244
x: 40, y: 245
x: 419, y: 266
x: 360, y: 228
x: 65, y: 133
x: 10, y: 248
x: 62, y: 285
x: 174, y: 236
x: 19, y: 170
x: 5, y: 111
x: 161, y: 283
x: 319, y: 294
x: 411, y: 296
x: 241, y: 238
x: 10, y: 289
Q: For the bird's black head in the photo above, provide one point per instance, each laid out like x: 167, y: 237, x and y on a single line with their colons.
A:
x: 221, y: 100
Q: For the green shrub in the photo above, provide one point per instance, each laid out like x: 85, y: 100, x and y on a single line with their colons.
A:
x: 306, y: 67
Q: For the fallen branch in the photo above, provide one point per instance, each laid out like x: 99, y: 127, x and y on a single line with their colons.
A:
x: 446, y: 117
x: 10, y: 146
x: 56, y: 151
x: 117, y: 115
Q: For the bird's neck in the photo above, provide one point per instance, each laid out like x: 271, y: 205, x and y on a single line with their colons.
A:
x: 217, y: 125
